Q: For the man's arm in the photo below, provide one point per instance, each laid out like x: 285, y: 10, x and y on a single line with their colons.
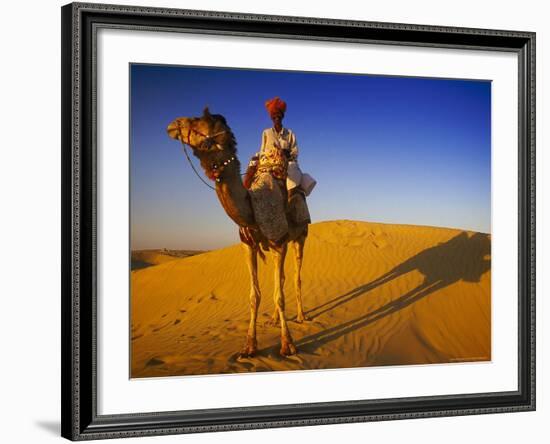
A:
x: 264, y: 142
x: 293, y: 147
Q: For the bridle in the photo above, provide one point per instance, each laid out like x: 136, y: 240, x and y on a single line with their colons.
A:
x: 217, y: 169
x: 187, y: 138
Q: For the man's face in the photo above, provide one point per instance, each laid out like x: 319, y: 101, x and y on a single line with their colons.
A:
x: 277, y: 119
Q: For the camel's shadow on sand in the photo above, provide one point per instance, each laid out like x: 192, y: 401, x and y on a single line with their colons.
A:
x: 463, y: 257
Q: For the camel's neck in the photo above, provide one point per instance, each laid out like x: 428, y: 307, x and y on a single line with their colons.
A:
x: 234, y: 196
x: 224, y: 167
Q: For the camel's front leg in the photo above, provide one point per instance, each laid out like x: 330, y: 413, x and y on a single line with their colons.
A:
x: 287, y: 345
x: 252, y: 260
x: 275, y: 317
x: 298, y: 256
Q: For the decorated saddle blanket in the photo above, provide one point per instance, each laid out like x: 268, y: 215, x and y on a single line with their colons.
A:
x: 269, y: 202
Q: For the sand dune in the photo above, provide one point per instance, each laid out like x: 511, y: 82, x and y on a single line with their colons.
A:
x: 377, y: 294
x: 148, y: 258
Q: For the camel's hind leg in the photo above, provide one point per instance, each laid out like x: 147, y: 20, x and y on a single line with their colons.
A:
x: 252, y: 260
x: 298, y: 247
x: 287, y: 345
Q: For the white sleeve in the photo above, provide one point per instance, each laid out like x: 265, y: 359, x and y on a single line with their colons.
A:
x: 293, y: 146
x: 264, y: 141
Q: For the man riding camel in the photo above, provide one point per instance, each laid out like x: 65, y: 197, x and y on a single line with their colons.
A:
x: 278, y: 155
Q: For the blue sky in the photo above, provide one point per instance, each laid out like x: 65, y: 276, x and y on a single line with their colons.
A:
x: 383, y: 149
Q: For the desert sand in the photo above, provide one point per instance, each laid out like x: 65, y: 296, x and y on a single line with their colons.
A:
x: 147, y: 258
x: 377, y: 294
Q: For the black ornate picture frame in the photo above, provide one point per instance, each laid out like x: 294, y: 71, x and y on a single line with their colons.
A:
x: 80, y: 419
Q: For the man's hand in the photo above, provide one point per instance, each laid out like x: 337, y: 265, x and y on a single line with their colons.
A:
x: 253, y: 160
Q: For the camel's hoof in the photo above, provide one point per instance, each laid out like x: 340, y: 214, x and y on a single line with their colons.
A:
x: 250, y: 350
x: 274, y: 321
x: 301, y: 319
x: 288, y: 349
x: 247, y: 353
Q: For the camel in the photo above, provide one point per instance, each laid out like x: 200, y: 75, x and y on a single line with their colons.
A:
x: 260, y: 213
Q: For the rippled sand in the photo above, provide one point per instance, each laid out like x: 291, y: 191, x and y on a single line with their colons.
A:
x: 377, y: 294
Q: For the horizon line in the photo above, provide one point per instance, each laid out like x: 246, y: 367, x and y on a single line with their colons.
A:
x: 319, y: 222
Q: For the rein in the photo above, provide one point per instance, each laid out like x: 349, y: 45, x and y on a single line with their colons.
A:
x: 194, y: 169
x: 218, y: 169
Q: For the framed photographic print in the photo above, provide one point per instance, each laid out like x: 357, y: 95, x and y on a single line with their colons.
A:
x: 280, y: 221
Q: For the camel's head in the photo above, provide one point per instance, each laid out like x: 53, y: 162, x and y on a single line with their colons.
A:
x: 206, y: 134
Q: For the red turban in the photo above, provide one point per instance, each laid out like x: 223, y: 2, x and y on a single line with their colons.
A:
x: 275, y: 105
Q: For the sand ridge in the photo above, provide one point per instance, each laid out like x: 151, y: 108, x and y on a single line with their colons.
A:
x: 147, y: 258
x: 377, y: 294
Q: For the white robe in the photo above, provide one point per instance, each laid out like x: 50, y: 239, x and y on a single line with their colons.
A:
x: 286, y: 141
